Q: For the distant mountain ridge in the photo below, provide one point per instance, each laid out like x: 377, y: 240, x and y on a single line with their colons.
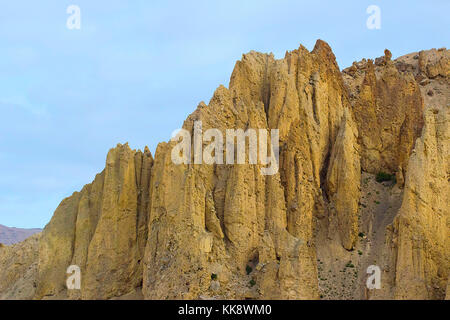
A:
x: 11, y: 235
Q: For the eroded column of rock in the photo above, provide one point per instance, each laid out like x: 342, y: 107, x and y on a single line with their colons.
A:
x: 420, y: 230
x: 101, y: 229
x: 115, y: 251
x: 343, y: 179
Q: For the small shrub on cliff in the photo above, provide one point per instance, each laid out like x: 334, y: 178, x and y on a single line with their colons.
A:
x: 383, y: 176
x: 213, y: 276
x: 248, y: 269
x: 252, y: 282
x: 349, y: 265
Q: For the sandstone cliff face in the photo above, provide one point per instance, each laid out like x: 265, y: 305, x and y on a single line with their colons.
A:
x: 102, y: 229
x: 421, y: 230
x: 154, y: 229
x: 388, y: 108
x: 226, y: 218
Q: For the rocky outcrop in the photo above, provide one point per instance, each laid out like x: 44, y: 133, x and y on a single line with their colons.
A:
x: 343, y: 177
x: 388, y: 109
x: 227, y: 220
x: 417, y: 241
x: 102, y: 229
x: 156, y: 229
x: 18, y: 269
x: 433, y: 64
x: 420, y: 231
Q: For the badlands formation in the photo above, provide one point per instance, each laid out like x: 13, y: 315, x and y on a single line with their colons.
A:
x: 363, y: 180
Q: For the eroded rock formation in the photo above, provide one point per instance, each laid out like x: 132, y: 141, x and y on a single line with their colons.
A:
x: 102, y: 229
x: 388, y: 108
x: 19, y: 266
x: 150, y: 228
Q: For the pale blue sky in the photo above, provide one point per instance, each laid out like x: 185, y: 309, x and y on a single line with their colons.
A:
x: 136, y: 69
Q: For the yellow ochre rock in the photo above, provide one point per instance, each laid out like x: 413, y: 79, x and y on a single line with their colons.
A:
x: 148, y: 228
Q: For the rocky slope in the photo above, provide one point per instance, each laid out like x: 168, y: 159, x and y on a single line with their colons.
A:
x: 19, y: 266
x: 149, y: 228
x: 14, y: 235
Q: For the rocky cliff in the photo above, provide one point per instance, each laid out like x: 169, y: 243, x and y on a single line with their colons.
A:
x: 149, y: 228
